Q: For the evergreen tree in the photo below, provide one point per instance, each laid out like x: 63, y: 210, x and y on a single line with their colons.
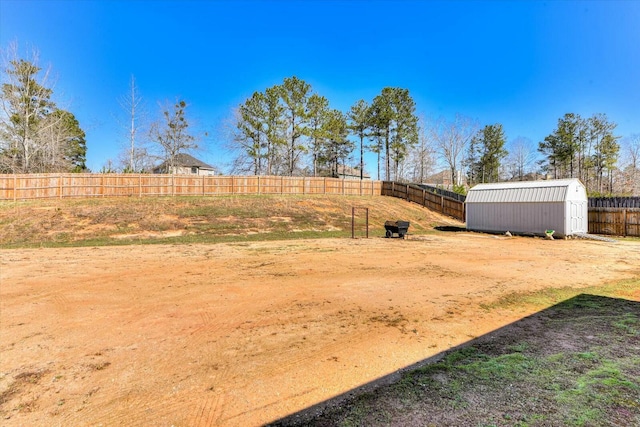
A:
x: 359, y: 123
x: 318, y: 113
x: 405, y: 132
x: 486, y: 151
x: 472, y: 161
x: 606, y: 149
x: 252, y: 129
x: 336, y: 147
x: 295, y: 95
x: 395, y: 125
x: 583, y: 148
x: 36, y: 136
x: 381, y: 120
x: 67, y: 147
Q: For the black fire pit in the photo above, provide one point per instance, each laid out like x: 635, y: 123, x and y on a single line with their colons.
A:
x: 398, y: 227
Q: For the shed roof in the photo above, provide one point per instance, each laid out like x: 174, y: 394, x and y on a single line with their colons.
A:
x: 521, y: 192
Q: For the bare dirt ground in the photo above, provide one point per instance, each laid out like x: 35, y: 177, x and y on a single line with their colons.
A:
x: 245, y: 333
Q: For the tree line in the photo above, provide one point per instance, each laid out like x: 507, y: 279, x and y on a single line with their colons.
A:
x: 289, y: 129
x: 584, y: 148
x: 275, y: 129
x: 37, y: 136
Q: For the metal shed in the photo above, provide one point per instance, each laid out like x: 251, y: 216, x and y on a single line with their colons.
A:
x: 530, y: 207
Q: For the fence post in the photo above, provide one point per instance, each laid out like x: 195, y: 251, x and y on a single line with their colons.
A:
x: 15, y: 187
x: 258, y: 184
x: 624, y: 222
x: 140, y: 185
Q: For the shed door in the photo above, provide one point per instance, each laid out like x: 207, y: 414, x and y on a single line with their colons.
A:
x: 577, y: 217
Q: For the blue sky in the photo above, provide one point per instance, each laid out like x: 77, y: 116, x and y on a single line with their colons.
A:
x: 521, y: 64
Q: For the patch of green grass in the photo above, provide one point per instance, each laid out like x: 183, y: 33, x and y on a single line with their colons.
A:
x: 517, y: 379
x: 551, y: 296
x: 630, y: 324
x: 591, y: 393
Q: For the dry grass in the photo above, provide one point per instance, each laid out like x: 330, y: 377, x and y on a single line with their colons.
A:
x: 200, y: 219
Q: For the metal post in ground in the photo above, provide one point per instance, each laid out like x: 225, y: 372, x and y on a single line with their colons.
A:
x: 367, y: 221
x: 353, y: 219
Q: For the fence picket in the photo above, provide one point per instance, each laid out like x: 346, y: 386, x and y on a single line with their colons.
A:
x: 45, y: 186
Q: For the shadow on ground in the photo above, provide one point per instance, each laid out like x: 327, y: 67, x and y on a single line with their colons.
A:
x: 575, y: 363
x: 450, y: 228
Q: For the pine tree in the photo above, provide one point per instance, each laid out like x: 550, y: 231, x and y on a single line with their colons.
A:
x: 295, y: 94
x: 35, y: 135
x: 360, y: 123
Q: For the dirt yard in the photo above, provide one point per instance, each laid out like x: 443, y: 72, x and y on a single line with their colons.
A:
x: 245, y: 333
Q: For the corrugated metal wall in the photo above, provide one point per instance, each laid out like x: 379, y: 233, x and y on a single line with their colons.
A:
x: 522, y: 218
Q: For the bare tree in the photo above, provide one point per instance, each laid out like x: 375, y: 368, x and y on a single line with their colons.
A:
x: 522, y: 154
x: 631, y: 168
x: 135, y: 156
x: 422, y: 157
x: 451, y: 139
x: 172, y: 135
x: 632, y: 148
x: 238, y: 144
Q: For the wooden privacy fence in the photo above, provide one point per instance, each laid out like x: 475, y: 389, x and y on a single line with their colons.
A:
x: 49, y: 186
x: 614, y: 221
x: 436, y: 202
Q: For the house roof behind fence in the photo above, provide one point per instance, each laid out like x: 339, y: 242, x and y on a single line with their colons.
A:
x: 186, y: 160
x: 521, y: 192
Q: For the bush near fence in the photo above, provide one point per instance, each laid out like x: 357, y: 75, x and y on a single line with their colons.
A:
x: 49, y: 186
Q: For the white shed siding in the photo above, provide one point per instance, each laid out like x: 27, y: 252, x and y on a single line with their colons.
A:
x: 528, y: 207
x: 521, y: 218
